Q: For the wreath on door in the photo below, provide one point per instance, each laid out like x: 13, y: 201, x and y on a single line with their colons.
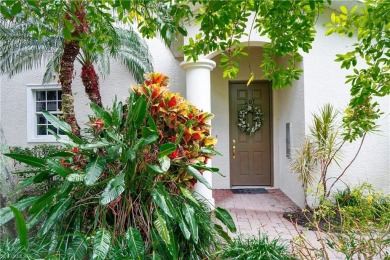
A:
x: 258, y: 118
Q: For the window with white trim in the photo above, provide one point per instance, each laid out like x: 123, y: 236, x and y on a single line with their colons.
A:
x: 42, y: 98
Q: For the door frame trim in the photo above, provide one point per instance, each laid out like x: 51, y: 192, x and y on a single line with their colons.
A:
x: 271, y: 114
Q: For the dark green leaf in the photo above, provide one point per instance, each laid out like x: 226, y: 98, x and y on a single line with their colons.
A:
x: 152, y: 124
x: 55, y: 214
x: 189, y: 215
x: 21, y: 226
x: 6, y: 12
x: 6, y: 213
x: 207, y: 150
x: 187, y: 193
x: 139, y: 111
x: 156, y: 168
x: 78, y: 246
x: 27, y: 159
x: 93, y: 170
x: 103, y: 114
x: 42, y: 176
x: 16, y: 8
x: 58, y: 168
x: 94, y: 145
x: 197, y: 175
x: 183, y: 227
x: 113, y: 190
x: 57, y: 123
x: 166, y: 149
x: 162, y: 199
x: 204, y: 167
x: 101, y: 244
x: 69, y: 26
x: 224, y: 216
x: 222, y: 233
x: 162, y: 229
x: 145, y: 141
x: 135, y: 243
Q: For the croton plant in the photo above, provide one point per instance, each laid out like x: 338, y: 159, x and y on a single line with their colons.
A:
x: 179, y: 122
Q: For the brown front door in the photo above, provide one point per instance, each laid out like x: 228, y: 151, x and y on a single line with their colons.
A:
x: 250, y: 155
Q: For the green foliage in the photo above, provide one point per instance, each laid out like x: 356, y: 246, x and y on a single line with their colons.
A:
x: 21, y: 226
x: 288, y: 24
x: 356, y: 225
x: 261, y: 247
x: 40, y: 151
x: 370, y: 22
x: 11, y: 249
x: 104, y: 194
x: 364, y: 205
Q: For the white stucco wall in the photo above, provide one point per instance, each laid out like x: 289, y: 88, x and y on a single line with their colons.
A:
x: 14, y: 104
x: 289, y: 108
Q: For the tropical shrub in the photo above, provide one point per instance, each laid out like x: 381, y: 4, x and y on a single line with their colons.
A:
x: 40, y: 150
x: 127, y: 182
x: 319, y: 151
x: 356, y: 225
x: 261, y: 247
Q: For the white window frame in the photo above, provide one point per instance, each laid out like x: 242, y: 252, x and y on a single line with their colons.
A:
x: 32, y: 136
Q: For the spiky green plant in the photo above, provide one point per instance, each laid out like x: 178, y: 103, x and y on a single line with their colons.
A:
x: 318, y: 151
x: 305, y: 164
x: 254, y: 248
x: 328, y: 142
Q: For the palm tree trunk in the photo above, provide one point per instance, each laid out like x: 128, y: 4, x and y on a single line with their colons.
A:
x: 71, y: 50
x: 91, y: 83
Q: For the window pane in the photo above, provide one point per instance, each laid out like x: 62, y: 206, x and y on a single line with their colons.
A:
x: 41, y: 130
x: 59, y: 105
x: 41, y: 106
x: 41, y: 119
x: 52, y: 128
x: 41, y: 95
x: 52, y: 95
x: 52, y: 106
x: 59, y: 95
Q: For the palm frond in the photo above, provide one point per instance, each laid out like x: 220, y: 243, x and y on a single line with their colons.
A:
x: 20, y: 50
x: 133, y: 52
x: 52, y: 67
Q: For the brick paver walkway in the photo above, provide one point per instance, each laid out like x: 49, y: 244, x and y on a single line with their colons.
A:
x: 254, y: 213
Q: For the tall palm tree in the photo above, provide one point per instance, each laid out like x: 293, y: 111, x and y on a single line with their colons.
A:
x: 20, y: 50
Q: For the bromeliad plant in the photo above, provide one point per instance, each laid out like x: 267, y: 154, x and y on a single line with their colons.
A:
x: 130, y: 182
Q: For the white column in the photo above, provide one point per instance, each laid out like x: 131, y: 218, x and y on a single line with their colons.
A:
x: 198, y: 88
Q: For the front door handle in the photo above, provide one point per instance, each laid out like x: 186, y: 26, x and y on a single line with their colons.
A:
x: 234, y: 152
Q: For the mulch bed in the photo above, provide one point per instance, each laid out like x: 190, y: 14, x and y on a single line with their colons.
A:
x: 304, y: 218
